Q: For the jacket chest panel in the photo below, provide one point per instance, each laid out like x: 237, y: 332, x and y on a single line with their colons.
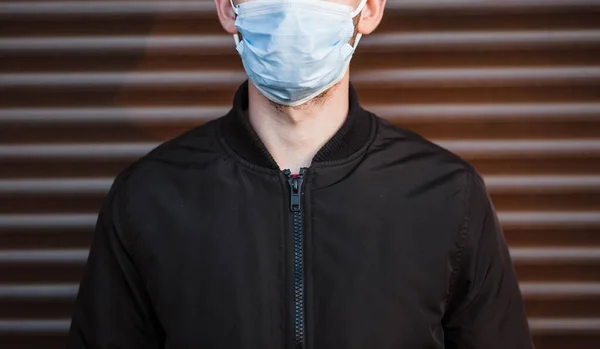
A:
x: 215, y: 259
x: 380, y: 266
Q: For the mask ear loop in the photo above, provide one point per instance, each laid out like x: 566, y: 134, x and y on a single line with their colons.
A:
x: 355, y: 13
x: 235, y: 9
x: 236, y: 37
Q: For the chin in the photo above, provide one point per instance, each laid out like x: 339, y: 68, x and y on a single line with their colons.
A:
x: 316, y: 102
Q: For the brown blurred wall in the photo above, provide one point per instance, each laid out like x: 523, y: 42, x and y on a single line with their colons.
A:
x: 512, y: 86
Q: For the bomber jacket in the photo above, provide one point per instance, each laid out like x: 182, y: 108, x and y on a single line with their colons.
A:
x: 386, y: 241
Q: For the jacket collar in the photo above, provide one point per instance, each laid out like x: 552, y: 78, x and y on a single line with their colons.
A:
x: 243, y: 140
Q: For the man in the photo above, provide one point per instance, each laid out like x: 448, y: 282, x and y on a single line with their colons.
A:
x: 299, y: 219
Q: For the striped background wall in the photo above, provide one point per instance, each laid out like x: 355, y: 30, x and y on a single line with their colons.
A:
x: 513, y: 86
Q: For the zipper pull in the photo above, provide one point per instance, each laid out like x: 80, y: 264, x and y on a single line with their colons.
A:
x: 295, y: 189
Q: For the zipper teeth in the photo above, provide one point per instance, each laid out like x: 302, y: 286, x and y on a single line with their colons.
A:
x: 295, y: 183
x: 298, y: 279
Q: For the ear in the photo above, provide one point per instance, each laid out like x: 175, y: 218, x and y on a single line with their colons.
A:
x: 226, y: 15
x: 370, y: 16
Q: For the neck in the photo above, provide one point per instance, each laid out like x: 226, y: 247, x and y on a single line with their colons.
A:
x: 293, y: 135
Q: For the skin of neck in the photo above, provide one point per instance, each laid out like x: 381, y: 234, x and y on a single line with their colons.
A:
x: 294, y: 135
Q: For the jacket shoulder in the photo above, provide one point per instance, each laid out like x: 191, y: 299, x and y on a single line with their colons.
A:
x: 161, y: 175
x: 404, y: 144
x: 194, y: 148
x: 191, y: 147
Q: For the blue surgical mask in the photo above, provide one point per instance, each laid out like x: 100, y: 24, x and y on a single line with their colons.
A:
x: 293, y: 50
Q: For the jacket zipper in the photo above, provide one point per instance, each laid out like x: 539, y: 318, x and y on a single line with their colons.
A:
x: 295, y: 183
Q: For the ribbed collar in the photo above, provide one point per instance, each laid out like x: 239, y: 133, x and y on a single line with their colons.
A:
x: 241, y: 137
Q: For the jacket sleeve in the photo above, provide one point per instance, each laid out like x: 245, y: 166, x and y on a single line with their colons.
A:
x: 112, y: 308
x: 485, y: 308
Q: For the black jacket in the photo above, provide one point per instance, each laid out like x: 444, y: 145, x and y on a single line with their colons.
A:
x: 387, y: 241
